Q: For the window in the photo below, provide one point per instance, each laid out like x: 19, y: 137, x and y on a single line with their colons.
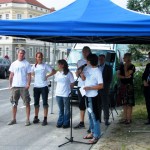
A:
x: 1, y: 52
x: 7, y: 16
x: 30, y: 16
x: 0, y: 17
x: 41, y: 50
x: 7, y: 37
x: 47, y: 52
x: 7, y: 51
x: 36, y: 50
x: 19, y: 16
x: 0, y: 37
x: 31, y: 52
x: 32, y: 7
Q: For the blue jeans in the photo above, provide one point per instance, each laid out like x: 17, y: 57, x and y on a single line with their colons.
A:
x: 64, y: 110
x: 94, y: 124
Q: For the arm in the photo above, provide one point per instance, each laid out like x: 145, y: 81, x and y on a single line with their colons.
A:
x: 51, y: 74
x: 120, y: 76
x: 82, y: 76
x: 10, y: 79
x: 72, y: 85
x: 128, y: 72
x: 96, y: 87
x: 28, y: 80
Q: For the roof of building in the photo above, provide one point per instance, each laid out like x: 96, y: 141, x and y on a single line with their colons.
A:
x: 32, y: 2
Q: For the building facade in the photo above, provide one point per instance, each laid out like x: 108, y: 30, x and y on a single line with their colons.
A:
x: 22, y: 9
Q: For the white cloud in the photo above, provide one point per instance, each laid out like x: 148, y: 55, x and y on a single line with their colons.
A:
x: 58, y: 4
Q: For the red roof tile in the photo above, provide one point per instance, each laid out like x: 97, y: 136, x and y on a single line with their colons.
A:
x: 32, y: 2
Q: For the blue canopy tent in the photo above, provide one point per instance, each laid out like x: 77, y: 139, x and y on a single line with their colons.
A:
x: 86, y: 21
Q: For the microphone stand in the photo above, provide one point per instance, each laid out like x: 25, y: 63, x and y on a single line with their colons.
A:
x: 70, y: 139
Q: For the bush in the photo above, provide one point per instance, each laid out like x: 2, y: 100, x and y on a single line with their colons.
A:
x: 138, y: 86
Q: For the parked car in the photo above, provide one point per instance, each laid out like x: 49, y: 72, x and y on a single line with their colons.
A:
x: 4, y: 67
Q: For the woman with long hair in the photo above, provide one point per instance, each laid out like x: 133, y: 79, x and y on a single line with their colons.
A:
x: 65, y: 82
x: 125, y: 74
x: 41, y: 72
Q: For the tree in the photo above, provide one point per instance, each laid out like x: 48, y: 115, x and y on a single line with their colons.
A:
x: 144, y: 7
x: 139, y: 5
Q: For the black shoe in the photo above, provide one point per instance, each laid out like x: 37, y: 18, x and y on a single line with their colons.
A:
x: 107, y: 123
x: 66, y: 126
x: 147, y: 123
x: 58, y: 126
x: 79, y: 126
x: 44, y: 123
x: 89, y: 131
x: 36, y: 120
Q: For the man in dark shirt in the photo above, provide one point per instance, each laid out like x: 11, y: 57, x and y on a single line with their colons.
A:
x: 146, y: 82
x: 104, y: 93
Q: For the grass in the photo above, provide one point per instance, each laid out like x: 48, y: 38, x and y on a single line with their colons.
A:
x: 139, y: 112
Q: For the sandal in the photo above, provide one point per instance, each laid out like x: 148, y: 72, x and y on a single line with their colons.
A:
x: 128, y: 122
x: 89, y: 136
x: 123, y: 121
x: 93, y: 140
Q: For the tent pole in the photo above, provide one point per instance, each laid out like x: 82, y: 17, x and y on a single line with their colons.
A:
x: 54, y: 58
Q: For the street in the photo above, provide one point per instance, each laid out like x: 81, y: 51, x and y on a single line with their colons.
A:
x: 36, y: 136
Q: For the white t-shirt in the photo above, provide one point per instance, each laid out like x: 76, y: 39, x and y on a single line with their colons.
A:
x: 93, y: 77
x: 20, y: 70
x: 63, y: 83
x: 80, y: 63
x: 40, y: 72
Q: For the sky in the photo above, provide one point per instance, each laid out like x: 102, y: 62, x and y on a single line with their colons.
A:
x: 58, y: 4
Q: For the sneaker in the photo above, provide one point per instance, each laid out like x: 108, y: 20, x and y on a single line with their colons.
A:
x: 27, y: 123
x: 12, y: 122
x: 79, y: 126
x: 66, y: 126
x: 36, y: 120
x: 147, y: 123
x: 44, y: 123
x: 89, y: 131
x: 58, y: 126
x: 107, y: 123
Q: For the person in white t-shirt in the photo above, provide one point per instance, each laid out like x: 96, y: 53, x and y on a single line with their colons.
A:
x: 93, y: 82
x: 41, y: 72
x: 81, y: 65
x: 65, y: 82
x: 19, y: 82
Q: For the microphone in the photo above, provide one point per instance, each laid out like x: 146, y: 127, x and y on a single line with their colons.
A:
x: 82, y: 67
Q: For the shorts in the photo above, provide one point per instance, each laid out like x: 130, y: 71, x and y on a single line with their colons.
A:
x: 82, y: 105
x: 18, y: 92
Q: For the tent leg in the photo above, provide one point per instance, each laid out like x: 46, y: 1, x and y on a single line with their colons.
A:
x: 54, y: 58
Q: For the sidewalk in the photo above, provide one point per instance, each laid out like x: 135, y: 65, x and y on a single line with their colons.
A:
x: 125, y: 137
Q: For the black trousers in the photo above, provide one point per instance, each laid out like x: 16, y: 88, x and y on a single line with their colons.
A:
x: 103, y: 96
x: 147, y: 99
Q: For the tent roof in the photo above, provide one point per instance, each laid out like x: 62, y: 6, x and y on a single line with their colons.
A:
x: 93, y: 21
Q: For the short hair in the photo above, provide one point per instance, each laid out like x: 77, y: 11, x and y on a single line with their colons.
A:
x: 127, y: 54
x: 21, y: 49
x: 87, y: 49
x: 102, y: 55
x: 93, y: 59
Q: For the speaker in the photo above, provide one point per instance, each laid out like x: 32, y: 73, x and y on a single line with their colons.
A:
x: 110, y: 57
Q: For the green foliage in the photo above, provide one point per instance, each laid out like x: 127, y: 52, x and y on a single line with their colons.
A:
x: 137, y: 50
x: 138, y: 84
x: 144, y: 7
x: 139, y: 5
